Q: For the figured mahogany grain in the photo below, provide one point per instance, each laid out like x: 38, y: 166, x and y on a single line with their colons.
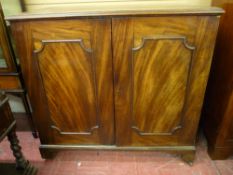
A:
x: 71, y: 70
x: 147, y: 94
x: 160, y: 82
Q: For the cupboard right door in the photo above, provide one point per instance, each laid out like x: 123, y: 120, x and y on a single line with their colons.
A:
x: 161, y: 67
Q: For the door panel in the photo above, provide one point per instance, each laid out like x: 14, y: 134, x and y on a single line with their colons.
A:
x: 73, y: 64
x: 68, y: 75
x: 156, y: 65
x: 165, y: 75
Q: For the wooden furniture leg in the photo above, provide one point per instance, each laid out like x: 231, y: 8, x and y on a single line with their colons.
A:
x: 8, y: 128
x: 21, y: 163
x: 188, y: 158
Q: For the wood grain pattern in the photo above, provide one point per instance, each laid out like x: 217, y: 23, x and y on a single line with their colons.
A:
x: 9, y: 83
x: 156, y: 81
x: 164, y: 77
x: 67, y: 67
x: 75, y: 73
x: 147, y: 94
x: 166, y: 86
x: 218, y: 109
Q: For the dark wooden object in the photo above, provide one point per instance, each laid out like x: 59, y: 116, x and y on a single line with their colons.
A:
x: 7, y: 128
x: 119, y: 82
x: 11, y: 80
x: 218, y: 108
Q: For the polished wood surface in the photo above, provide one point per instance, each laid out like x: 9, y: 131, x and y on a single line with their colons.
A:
x: 71, y: 68
x: 218, y: 109
x: 160, y: 67
x: 150, y: 11
x: 117, y: 82
x: 9, y: 83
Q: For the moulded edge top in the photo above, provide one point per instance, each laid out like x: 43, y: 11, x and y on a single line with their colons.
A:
x: 115, y: 12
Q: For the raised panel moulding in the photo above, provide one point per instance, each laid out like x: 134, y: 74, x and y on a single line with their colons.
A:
x: 80, y: 41
x: 88, y: 50
x: 186, y: 45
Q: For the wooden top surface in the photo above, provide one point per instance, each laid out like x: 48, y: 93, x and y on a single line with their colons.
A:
x: 119, y: 8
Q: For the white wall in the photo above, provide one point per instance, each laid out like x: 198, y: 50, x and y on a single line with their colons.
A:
x: 16, y: 104
x: 73, y: 5
x: 11, y: 7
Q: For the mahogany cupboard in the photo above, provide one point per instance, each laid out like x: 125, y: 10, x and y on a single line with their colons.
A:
x: 122, y: 80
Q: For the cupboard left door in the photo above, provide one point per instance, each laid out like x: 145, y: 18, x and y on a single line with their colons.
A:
x: 67, y: 66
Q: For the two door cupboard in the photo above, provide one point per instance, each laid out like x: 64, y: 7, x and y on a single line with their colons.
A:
x: 117, y: 81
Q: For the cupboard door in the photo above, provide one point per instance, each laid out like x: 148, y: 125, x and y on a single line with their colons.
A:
x: 161, y: 66
x: 68, y: 72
